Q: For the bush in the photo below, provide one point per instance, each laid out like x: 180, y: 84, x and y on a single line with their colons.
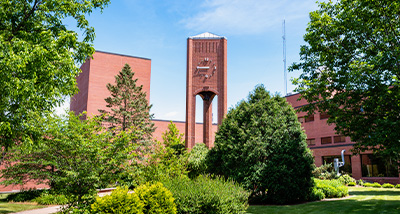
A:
x: 397, y: 186
x: 261, y: 145
x: 316, y: 194
x: 120, y: 201
x: 156, y: 198
x: 324, y: 171
x: 388, y: 185
x: 51, y: 199
x: 351, y: 184
x: 24, y: 195
x: 346, y: 179
x: 360, y: 182
x: 376, y: 185
x: 206, y: 195
x: 332, y: 188
x: 197, y: 160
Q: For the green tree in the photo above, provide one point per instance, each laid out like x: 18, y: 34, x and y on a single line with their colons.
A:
x: 350, y: 70
x: 75, y: 157
x: 261, y: 145
x: 128, y: 107
x: 38, y: 57
x: 173, y: 139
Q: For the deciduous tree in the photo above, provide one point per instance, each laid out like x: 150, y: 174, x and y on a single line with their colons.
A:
x: 38, y: 57
x: 351, y: 68
x: 261, y: 145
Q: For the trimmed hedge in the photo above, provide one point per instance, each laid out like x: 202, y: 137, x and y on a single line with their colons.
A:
x: 397, y: 186
x: 24, y: 195
x: 145, y: 199
x: 386, y: 185
x: 330, y: 189
x: 376, y: 185
x: 207, y: 195
x: 351, y: 184
x: 346, y: 179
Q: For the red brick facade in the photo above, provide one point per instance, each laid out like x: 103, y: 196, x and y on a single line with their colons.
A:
x: 206, y: 77
x: 324, y: 142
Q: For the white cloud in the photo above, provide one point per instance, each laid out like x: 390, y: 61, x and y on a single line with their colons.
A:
x: 245, y: 17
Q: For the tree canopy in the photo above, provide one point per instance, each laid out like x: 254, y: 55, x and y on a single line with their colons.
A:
x: 351, y: 68
x: 261, y: 145
x: 38, y: 57
x: 127, y: 106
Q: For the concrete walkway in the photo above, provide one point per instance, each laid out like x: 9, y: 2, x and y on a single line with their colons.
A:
x: 47, y: 210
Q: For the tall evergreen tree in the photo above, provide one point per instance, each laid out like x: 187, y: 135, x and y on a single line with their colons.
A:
x: 128, y: 107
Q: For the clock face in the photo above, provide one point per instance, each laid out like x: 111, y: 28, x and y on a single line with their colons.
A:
x: 206, y: 68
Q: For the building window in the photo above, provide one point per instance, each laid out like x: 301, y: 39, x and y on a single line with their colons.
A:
x: 339, y: 139
x: 309, y: 118
x: 323, y: 115
x: 301, y: 119
x: 346, y: 169
x: 378, y: 166
x: 311, y: 141
x: 326, y: 140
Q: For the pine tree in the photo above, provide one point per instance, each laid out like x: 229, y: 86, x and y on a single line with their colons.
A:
x: 128, y: 107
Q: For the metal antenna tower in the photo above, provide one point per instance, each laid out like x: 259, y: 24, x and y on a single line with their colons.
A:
x: 284, y: 55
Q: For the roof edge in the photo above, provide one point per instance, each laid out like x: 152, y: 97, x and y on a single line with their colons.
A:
x: 106, y: 52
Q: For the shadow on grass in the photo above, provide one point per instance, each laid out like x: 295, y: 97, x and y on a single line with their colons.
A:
x: 361, y: 202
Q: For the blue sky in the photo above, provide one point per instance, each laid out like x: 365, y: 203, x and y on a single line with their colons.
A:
x: 159, y: 29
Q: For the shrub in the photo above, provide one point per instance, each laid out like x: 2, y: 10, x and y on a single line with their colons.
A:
x: 346, y: 179
x: 324, y: 171
x: 156, y: 198
x: 376, y: 185
x: 316, y: 194
x: 386, y: 185
x: 120, y: 201
x: 51, y: 199
x: 332, y: 188
x: 206, y: 195
x: 197, y: 160
x: 368, y: 185
x: 360, y: 182
x: 397, y: 186
x: 261, y: 145
x: 351, y: 184
x: 24, y: 195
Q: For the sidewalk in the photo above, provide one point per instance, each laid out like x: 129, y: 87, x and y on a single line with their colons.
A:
x: 47, y: 210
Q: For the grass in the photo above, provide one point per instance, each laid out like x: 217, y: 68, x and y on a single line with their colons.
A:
x: 7, y: 207
x: 361, y: 201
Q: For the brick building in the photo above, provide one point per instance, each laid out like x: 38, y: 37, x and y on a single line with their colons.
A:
x: 327, y: 145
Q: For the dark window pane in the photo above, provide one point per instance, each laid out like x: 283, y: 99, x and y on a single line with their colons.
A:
x: 309, y: 118
x: 346, y: 169
x: 311, y: 142
x: 377, y: 166
x: 326, y: 140
x: 323, y: 115
x: 339, y: 139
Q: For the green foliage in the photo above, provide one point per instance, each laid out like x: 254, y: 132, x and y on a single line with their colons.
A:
x: 75, y: 157
x: 173, y: 139
x: 360, y: 182
x: 206, y: 195
x: 128, y: 107
x: 197, y: 160
x: 346, y: 179
x: 39, y: 54
x: 119, y: 201
x: 156, y: 199
x: 261, y: 145
x: 397, y: 186
x: 317, y: 194
x: 351, y: 69
x: 332, y: 188
x: 375, y: 184
x: 51, y: 199
x: 351, y: 184
x: 386, y: 185
x: 325, y: 171
x: 24, y: 195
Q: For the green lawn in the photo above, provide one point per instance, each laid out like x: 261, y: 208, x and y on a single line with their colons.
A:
x: 362, y: 200
x: 15, y: 207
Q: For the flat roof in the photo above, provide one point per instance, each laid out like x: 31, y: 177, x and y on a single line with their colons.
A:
x: 207, y: 35
x: 122, y: 55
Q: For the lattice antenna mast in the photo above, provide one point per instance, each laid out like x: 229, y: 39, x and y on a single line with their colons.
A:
x: 284, y: 56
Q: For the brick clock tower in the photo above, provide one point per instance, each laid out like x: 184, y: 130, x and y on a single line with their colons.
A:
x: 206, y: 77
